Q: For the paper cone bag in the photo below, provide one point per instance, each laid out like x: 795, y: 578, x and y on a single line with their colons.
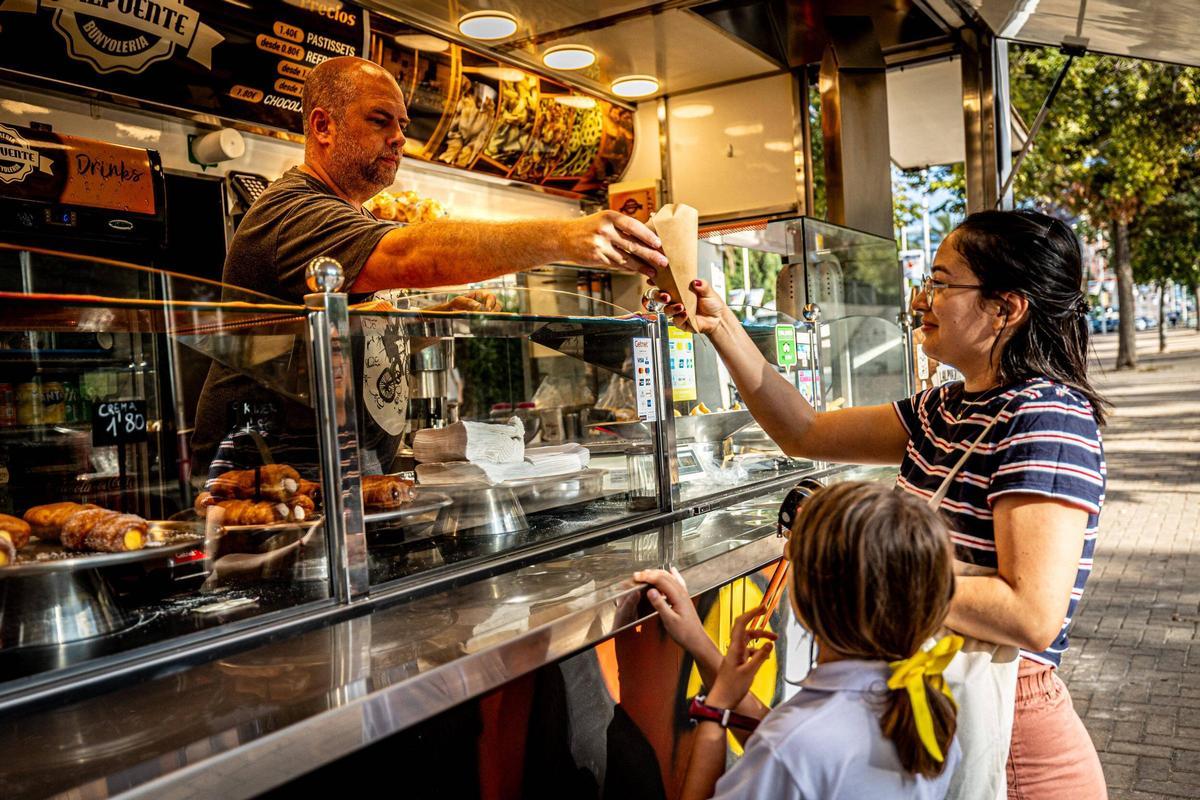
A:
x: 677, y: 226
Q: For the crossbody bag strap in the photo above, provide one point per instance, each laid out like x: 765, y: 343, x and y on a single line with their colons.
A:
x: 935, y: 502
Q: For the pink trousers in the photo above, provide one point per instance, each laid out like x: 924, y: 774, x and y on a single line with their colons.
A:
x: 1051, y: 756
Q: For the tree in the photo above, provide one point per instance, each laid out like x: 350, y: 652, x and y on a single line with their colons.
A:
x: 1166, y: 241
x: 1111, y: 149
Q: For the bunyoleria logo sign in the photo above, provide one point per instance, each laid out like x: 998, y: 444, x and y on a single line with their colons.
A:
x: 126, y: 35
x: 17, y: 158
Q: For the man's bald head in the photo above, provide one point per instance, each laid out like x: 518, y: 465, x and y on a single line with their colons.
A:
x: 334, y: 83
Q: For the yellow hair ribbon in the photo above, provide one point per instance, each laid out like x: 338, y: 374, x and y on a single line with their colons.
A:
x: 910, y: 674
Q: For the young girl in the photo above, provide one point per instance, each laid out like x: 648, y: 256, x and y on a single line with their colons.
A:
x: 871, y: 578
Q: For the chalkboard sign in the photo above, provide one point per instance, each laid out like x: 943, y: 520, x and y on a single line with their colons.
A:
x: 118, y: 422
x: 254, y: 415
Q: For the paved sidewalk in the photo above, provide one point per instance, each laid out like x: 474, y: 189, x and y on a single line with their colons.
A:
x: 1134, y: 664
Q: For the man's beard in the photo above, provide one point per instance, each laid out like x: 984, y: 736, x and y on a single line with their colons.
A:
x: 363, y: 173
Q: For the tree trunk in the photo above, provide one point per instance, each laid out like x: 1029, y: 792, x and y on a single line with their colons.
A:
x: 1196, y: 295
x: 1162, y: 316
x: 1123, y: 266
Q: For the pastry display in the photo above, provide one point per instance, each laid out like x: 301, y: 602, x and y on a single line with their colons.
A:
x: 14, y: 531
x: 103, y: 531
x: 386, y: 491
x: 268, y: 482
x: 242, y: 511
x: 47, y: 521
x: 407, y: 207
x: 263, y: 495
x: 247, y: 512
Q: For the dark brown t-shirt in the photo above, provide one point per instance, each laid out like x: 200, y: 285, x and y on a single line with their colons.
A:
x: 295, y: 220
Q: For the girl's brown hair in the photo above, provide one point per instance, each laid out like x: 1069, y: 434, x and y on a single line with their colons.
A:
x: 872, y: 578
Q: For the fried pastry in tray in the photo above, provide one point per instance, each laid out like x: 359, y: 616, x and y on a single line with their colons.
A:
x: 268, y: 482
x: 386, y: 491
x: 255, y: 512
x: 103, y: 531
x: 14, y: 534
x: 47, y: 521
x: 15, y: 530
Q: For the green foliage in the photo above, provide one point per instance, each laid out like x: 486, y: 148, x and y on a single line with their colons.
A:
x: 1166, y: 238
x: 764, y: 269
x: 1116, y: 137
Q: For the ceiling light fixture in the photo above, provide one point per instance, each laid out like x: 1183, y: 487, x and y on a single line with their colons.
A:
x: 487, y: 25
x: 635, y: 86
x: 569, y: 56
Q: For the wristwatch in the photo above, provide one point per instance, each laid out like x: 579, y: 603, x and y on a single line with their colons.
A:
x: 725, y: 717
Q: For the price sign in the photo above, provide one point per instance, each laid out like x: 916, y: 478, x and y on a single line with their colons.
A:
x: 254, y: 415
x: 118, y: 422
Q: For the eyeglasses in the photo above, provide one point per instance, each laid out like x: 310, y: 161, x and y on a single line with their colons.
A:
x: 929, y: 286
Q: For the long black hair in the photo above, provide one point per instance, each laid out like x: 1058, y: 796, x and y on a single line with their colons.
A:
x: 1038, y: 257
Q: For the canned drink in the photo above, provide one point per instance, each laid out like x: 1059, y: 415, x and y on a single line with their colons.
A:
x: 8, y: 406
x: 54, y: 403
x: 29, y: 403
x: 74, y: 402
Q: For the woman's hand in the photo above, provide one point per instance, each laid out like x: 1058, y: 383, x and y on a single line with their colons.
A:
x: 669, y: 596
x: 711, y: 311
x: 741, y: 663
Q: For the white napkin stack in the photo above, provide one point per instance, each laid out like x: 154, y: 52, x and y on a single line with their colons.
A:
x: 478, y: 442
x: 539, y: 462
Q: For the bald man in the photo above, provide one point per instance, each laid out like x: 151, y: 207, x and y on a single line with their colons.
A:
x: 354, y: 122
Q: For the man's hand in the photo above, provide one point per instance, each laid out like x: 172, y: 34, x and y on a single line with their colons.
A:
x: 470, y: 301
x: 611, y: 239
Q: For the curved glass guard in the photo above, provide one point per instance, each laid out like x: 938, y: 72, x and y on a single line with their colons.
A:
x: 518, y: 423
x: 137, y: 390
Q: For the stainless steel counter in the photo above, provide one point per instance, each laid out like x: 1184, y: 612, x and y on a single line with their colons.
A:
x: 242, y: 724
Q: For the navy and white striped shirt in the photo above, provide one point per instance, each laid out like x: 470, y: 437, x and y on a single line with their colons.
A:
x: 1045, y: 442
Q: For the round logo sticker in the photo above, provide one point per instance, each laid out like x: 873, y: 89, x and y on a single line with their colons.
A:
x: 385, y: 373
x: 126, y: 35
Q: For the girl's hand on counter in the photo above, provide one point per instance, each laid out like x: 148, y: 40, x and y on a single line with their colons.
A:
x: 741, y: 662
x: 711, y: 312
x: 669, y: 596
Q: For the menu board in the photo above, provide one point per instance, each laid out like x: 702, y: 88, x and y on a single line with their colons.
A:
x: 245, y: 60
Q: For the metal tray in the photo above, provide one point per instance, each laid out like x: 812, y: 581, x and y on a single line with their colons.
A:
x: 190, y: 516
x: 424, y: 502
x: 179, y: 539
x: 714, y: 427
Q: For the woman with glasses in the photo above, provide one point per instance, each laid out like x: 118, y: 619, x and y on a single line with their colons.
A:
x: 1014, y: 450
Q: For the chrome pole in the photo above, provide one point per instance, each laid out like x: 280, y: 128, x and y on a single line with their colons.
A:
x: 337, y: 427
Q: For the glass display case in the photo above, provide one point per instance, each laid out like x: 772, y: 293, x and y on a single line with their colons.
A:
x: 107, y: 543
x: 823, y: 304
x: 501, y: 434
x: 259, y: 461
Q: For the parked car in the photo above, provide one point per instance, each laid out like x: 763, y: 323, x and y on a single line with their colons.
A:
x: 1144, y: 323
x: 1104, y: 321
